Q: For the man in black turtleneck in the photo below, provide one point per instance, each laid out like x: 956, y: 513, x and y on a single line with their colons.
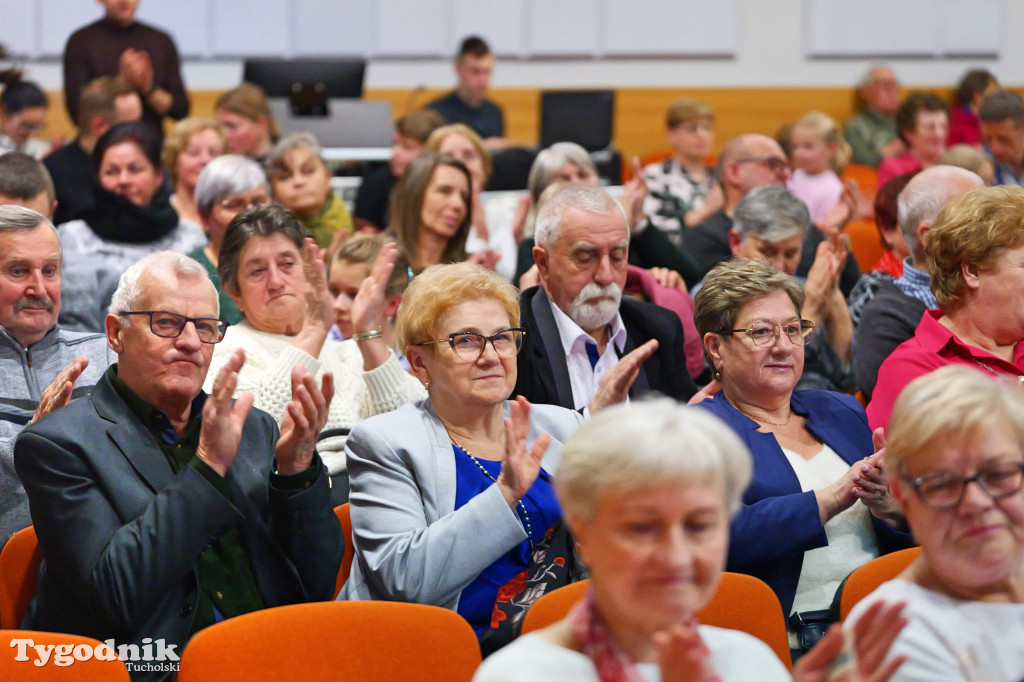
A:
x: 117, y: 45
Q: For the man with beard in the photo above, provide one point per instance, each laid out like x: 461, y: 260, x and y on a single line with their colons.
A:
x: 41, y: 365
x: 586, y: 347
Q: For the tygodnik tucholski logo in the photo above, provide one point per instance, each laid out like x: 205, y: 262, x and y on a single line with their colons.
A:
x: 152, y: 656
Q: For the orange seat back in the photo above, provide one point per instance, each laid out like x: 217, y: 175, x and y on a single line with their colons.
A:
x: 865, y: 579
x: 345, y: 517
x: 741, y: 602
x: 866, y: 178
x: 335, y: 640
x: 865, y: 243
x: 19, y: 572
x: 91, y: 670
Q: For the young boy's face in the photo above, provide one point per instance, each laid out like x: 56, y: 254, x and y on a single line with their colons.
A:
x: 692, y: 139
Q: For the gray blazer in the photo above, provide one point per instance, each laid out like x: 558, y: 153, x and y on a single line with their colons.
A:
x: 411, y: 544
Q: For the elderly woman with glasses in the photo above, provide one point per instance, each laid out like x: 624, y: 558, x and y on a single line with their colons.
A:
x: 276, y: 276
x: 452, y: 497
x: 819, y: 504
x: 956, y: 463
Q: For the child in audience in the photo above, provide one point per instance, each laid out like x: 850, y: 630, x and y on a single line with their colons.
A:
x: 351, y: 265
x: 819, y: 154
x: 682, y: 190
x: 300, y: 181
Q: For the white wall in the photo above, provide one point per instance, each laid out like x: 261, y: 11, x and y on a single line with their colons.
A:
x: 771, y: 40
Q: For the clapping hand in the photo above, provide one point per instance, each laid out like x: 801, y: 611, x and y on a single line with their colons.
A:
x: 872, y: 484
x: 304, y: 418
x: 58, y: 393
x: 369, y: 303
x: 222, y: 421
x: 520, y: 467
x: 319, y: 304
x: 873, y: 635
x: 683, y: 656
x: 616, y: 382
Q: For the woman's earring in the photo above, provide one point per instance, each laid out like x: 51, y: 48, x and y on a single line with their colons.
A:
x: 426, y: 385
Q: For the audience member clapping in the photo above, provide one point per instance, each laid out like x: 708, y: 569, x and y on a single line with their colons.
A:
x: 249, y: 129
x: 923, y: 122
x: 649, y: 489
x: 276, y: 276
x: 301, y: 182
x: 975, y: 261
x: 452, y: 497
x: 227, y: 186
x: 191, y: 144
x: 956, y: 467
x: 819, y: 504
x: 131, y: 214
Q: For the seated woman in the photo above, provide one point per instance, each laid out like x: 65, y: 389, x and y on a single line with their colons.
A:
x: 965, y: 593
x: 964, y: 126
x: 351, y: 265
x: 648, y: 489
x: 975, y: 253
x: 249, y: 128
x: 131, y: 215
x: 452, y: 498
x: 192, y: 143
x: 23, y: 107
x: 431, y: 211
x: 276, y: 276
x: 487, y: 236
x: 922, y: 122
x: 818, y: 506
x: 227, y: 186
x: 300, y: 182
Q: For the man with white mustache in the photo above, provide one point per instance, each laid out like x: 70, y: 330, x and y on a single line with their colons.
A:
x: 586, y: 346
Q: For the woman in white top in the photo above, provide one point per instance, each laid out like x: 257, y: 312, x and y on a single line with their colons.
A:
x: 276, y: 276
x: 965, y: 594
x: 818, y: 505
x: 648, y: 489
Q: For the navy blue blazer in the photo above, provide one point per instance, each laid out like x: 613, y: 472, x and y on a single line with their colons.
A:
x: 777, y: 522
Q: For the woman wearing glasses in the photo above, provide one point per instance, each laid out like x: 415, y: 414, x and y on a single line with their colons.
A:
x: 276, y: 277
x: 819, y: 504
x: 956, y: 465
x: 452, y: 498
x: 227, y: 185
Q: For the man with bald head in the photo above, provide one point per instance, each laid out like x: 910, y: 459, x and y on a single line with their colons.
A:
x: 872, y: 132
x: 892, y: 315
x: 745, y: 162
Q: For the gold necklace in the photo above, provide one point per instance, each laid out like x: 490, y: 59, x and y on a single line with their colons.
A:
x: 758, y: 419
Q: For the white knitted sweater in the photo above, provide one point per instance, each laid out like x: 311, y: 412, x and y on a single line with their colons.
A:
x: 269, y: 359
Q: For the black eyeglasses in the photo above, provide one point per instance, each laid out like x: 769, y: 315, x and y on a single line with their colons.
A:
x: 170, y: 325
x: 945, y: 491
x: 766, y: 332
x: 470, y: 346
x: 774, y: 163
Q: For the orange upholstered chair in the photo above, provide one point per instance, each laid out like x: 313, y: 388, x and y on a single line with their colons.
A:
x: 345, y: 517
x: 19, y: 571
x: 865, y: 243
x: 353, y: 640
x: 90, y: 670
x: 741, y: 602
x: 866, y: 578
x: 866, y: 178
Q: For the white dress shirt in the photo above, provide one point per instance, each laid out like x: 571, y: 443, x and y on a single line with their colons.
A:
x: 583, y: 379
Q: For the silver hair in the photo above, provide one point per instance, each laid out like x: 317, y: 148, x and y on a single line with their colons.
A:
x: 549, y: 161
x: 583, y: 197
x: 925, y: 195
x: 128, y: 290
x: 14, y: 218
x: 647, y: 443
x: 289, y: 143
x: 771, y: 213
x: 225, y: 176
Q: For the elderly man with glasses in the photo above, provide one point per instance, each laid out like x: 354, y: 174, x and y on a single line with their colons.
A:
x: 160, y: 509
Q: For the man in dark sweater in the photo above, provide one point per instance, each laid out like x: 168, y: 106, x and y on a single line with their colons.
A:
x: 141, y: 55
x: 468, y: 103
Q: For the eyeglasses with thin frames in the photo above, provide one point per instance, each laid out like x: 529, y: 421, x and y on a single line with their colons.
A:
x: 946, y: 491
x: 470, y: 345
x: 170, y: 325
x: 767, y: 332
x: 774, y: 163
x: 239, y: 204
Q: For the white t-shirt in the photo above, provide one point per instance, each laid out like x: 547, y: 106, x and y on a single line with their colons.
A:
x: 738, y: 657
x: 947, y: 639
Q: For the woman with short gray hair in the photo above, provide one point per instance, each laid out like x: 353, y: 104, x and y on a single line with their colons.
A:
x: 648, y: 490
x: 227, y: 185
x: 819, y: 505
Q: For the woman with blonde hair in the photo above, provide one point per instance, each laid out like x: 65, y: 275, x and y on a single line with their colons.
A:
x: 192, y: 143
x: 249, y: 128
